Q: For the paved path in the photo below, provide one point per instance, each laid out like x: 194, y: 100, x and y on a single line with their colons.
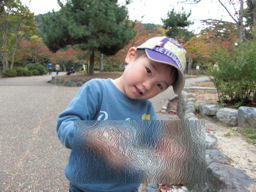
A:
x: 32, y: 158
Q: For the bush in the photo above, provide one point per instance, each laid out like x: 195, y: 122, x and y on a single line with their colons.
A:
x: 9, y: 73
x: 22, y: 71
x: 35, y: 72
x: 35, y: 66
x: 235, y: 74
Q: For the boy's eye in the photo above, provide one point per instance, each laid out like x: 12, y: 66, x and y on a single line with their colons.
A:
x: 160, y: 86
x: 148, y: 70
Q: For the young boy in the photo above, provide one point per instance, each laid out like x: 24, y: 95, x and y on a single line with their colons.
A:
x: 151, y: 68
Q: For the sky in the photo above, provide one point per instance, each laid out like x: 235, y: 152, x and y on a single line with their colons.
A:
x: 152, y: 11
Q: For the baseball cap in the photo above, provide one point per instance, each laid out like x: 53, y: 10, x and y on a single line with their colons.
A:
x: 167, y: 51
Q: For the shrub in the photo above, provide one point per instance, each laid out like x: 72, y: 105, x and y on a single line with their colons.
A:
x: 235, y: 74
x: 35, y: 66
x: 22, y: 71
x: 35, y: 72
x: 9, y: 73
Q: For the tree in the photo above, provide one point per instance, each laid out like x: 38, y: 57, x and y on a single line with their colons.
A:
x: 217, y: 34
x: 95, y: 25
x: 239, y: 13
x: 17, y: 22
x: 176, y: 23
x: 250, y: 13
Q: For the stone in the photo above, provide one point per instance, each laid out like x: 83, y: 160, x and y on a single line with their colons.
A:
x: 228, y: 116
x: 247, y: 116
x: 208, y: 109
x: 210, y: 141
x: 226, y: 178
x: 214, y: 155
x: 190, y: 116
x: 190, y: 107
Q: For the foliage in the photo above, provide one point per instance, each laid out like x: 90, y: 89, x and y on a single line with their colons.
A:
x: 33, y: 51
x: 9, y: 73
x: 235, y: 74
x: 16, y: 23
x: 144, y: 32
x: 176, y: 23
x: 203, y: 46
x: 69, y: 57
x: 35, y: 72
x: 22, y: 71
x: 97, y: 25
x: 38, y: 67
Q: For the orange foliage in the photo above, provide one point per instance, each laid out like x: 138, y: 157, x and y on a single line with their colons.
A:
x: 142, y: 35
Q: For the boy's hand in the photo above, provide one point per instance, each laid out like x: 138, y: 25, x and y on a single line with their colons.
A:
x: 107, y: 143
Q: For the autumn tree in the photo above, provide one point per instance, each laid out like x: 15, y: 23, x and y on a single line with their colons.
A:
x: 67, y: 58
x: 217, y: 34
x: 16, y: 23
x: 96, y: 25
x: 238, y: 14
x: 144, y: 32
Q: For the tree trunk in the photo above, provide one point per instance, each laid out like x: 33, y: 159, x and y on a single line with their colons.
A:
x: 101, y: 62
x: 15, y: 46
x: 190, y: 62
x: 64, y: 67
x: 253, y: 12
x: 240, y: 26
x: 4, y: 50
x: 254, y: 97
x: 91, y: 67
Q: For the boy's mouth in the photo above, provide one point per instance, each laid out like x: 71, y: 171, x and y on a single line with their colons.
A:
x: 138, y: 91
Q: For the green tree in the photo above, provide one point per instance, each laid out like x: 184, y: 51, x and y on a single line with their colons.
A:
x: 176, y: 23
x: 94, y: 25
x: 16, y: 23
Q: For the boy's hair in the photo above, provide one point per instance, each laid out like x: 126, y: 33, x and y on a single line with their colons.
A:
x: 173, y: 73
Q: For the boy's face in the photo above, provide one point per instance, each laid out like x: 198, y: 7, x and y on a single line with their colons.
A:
x: 143, y: 78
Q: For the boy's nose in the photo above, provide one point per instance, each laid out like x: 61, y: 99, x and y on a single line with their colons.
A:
x: 148, y: 84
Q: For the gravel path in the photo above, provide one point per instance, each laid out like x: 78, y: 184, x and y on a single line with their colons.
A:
x: 32, y: 157
x: 241, y: 153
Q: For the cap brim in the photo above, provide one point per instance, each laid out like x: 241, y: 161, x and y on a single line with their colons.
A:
x: 161, y: 58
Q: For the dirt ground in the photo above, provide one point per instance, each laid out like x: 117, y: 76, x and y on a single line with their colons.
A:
x: 231, y: 143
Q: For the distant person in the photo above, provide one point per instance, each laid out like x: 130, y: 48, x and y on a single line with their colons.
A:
x: 72, y: 70
x: 49, y: 68
x: 57, y: 68
x: 151, y: 68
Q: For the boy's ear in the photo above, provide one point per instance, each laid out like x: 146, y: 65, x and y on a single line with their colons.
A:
x: 130, y: 55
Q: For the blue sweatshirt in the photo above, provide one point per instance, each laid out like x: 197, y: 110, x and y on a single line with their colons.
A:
x: 98, y: 99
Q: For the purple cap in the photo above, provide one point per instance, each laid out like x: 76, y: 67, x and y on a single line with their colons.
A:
x: 167, y: 51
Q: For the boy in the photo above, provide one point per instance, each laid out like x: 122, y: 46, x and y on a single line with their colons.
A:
x: 151, y: 68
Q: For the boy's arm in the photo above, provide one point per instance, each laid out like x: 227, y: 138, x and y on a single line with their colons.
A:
x: 84, y: 106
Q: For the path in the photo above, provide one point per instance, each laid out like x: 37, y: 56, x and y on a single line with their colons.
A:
x: 32, y: 157
x: 241, y: 153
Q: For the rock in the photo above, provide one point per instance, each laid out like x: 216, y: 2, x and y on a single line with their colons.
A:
x: 207, y: 109
x: 190, y: 116
x: 190, y: 107
x: 210, y: 141
x: 247, y: 116
x: 228, y: 116
x: 214, y: 155
x: 227, y: 178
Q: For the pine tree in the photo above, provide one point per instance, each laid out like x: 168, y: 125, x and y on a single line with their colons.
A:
x: 94, y: 25
x: 176, y: 23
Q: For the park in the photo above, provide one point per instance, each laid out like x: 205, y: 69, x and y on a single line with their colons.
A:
x: 46, y: 58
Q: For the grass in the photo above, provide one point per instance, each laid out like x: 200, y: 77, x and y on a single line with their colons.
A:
x: 249, y: 133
